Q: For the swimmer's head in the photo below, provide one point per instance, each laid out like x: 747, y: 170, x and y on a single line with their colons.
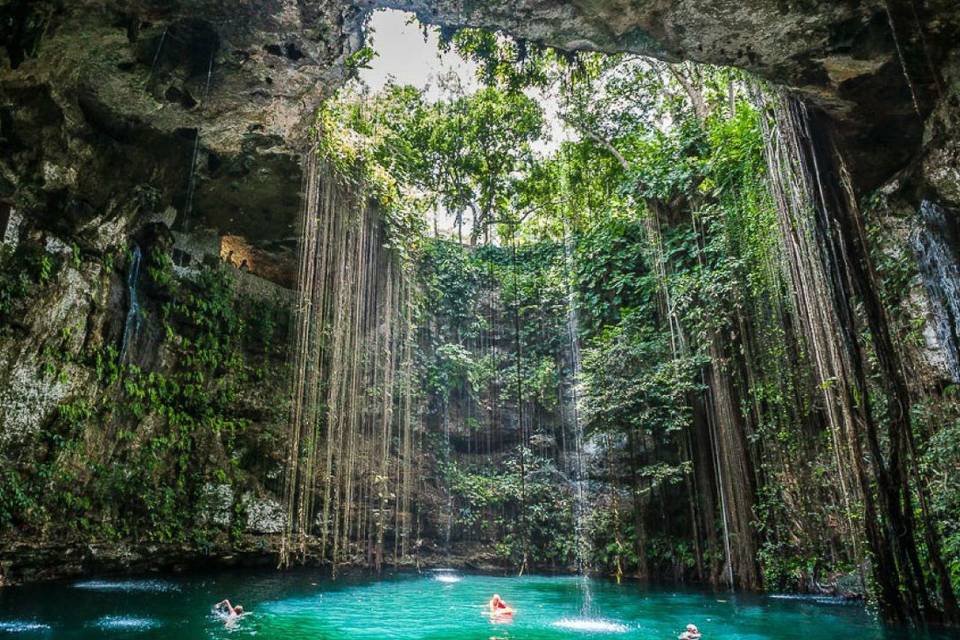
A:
x: 692, y: 628
x: 238, y: 608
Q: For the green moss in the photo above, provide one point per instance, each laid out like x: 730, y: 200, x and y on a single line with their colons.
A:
x: 131, y: 463
x: 23, y: 272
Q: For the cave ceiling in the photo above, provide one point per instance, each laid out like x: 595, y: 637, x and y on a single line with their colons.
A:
x: 103, y: 101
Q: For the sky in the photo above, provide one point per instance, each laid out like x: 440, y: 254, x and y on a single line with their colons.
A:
x: 408, y: 55
x: 404, y: 54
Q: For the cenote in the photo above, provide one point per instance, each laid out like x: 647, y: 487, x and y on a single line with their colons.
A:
x: 435, y: 605
x: 654, y: 292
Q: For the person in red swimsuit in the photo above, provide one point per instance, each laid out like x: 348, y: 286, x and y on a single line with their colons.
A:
x: 499, y: 608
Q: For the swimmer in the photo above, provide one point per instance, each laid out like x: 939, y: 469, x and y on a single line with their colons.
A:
x: 691, y: 633
x: 231, y: 611
x: 499, y: 608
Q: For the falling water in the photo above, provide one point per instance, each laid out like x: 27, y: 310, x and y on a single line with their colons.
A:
x: 131, y: 328
x: 447, y: 452
x: 156, y: 56
x: 576, y: 463
x: 934, y: 244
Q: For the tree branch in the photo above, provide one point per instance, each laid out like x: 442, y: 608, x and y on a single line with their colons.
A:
x: 606, y: 144
x: 700, y: 107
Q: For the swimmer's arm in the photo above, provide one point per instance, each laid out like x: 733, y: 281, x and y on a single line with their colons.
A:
x: 226, y: 603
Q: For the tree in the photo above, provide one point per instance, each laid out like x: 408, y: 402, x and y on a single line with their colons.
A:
x: 462, y: 155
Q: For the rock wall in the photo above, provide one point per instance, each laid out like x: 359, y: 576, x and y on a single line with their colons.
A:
x: 113, y: 111
x: 176, y: 127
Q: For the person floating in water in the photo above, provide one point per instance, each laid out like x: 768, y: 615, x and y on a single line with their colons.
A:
x: 499, y: 608
x: 229, y: 611
x: 692, y: 633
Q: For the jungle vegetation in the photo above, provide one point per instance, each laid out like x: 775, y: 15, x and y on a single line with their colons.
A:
x: 754, y: 408
x: 670, y: 345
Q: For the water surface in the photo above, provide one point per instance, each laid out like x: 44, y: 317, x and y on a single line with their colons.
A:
x: 433, y: 606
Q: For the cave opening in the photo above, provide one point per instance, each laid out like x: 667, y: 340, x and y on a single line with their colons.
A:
x: 626, y: 289
x: 518, y: 299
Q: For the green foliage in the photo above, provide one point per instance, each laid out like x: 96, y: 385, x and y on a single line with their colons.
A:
x: 532, y: 516
x: 23, y: 272
x: 451, y: 278
x: 131, y: 462
x: 503, y: 62
x: 940, y: 452
x: 612, y: 273
x: 359, y: 59
x: 632, y: 381
x: 459, y: 154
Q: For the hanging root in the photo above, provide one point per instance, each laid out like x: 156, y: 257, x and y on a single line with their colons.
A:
x: 353, y: 333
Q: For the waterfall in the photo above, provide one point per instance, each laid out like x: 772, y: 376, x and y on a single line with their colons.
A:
x: 131, y: 328
x: 447, y: 452
x: 940, y: 270
x: 576, y: 466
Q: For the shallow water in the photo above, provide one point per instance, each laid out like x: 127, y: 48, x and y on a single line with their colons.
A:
x: 433, y: 606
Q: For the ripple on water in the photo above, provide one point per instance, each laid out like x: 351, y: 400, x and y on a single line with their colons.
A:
x: 125, y: 623
x: 800, y: 597
x: 22, y: 626
x: 593, y: 625
x: 447, y: 578
x: 127, y: 585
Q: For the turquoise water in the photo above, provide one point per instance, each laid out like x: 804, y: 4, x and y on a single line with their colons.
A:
x: 432, y: 606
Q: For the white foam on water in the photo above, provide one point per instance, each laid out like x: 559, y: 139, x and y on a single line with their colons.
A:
x: 17, y: 626
x: 597, y: 625
x: 447, y: 578
x: 125, y: 623
x: 127, y: 585
x: 800, y: 597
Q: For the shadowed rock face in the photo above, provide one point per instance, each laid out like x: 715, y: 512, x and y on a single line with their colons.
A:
x: 121, y: 110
